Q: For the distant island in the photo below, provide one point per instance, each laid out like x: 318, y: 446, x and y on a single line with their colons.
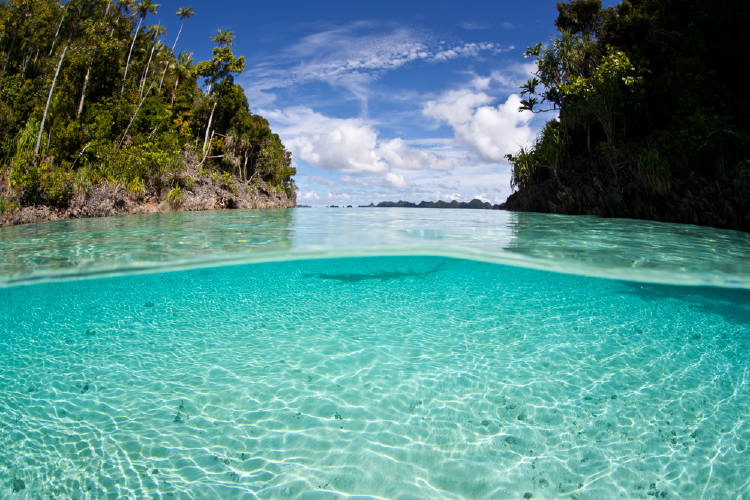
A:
x: 475, y: 204
x: 652, y: 120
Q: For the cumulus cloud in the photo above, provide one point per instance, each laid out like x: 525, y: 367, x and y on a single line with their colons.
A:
x: 395, y: 179
x: 490, y: 131
x: 350, y: 146
x: 400, y: 156
x: 343, y: 145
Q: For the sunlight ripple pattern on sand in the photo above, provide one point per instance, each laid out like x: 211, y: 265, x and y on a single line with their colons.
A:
x: 389, y: 377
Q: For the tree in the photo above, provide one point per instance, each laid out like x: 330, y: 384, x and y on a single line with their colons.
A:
x: 49, y: 99
x: 184, y: 68
x: 142, y: 10
x: 183, y: 13
x: 219, y: 70
x: 155, y: 31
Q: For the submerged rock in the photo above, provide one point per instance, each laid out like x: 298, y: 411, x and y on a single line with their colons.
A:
x: 18, y: 485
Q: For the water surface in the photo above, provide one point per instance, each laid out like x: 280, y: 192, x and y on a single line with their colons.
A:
x: 613, y: 248
x: 373, y: 377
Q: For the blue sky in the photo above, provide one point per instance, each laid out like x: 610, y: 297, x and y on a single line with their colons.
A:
x: 413, y: 100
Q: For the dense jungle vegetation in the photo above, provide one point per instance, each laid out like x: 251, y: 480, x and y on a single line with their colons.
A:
x: 653, y: 117
x: 90, y: 92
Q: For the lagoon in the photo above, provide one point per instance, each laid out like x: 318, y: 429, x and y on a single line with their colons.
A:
x: 377, y: 353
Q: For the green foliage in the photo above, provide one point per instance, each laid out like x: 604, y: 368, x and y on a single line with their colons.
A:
x: 175, y: 198
x: 124, y: 109
x: 58, y: 186
x: 7, y: 206
x: 84, y: 179
x: 137, y: 186
x: 532, y: 165
x: 654, y: 171
x: 655, y: 76
x: 228, y: 182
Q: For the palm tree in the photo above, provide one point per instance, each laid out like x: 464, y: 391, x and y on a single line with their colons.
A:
x: 183, y: 68
x: 155, y: 30
x: 141, y: 10
x: 223, y: 38
x: 183, y: 13
x: 49, y: 98
x: 95, y: 35
x: 57, y: 33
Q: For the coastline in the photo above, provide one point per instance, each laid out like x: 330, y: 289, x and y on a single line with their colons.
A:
x: 592, y: 186
x: 204, y: 190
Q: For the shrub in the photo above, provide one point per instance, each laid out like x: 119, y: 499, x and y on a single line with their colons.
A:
x: 58, y: 185
x: 7, y: 206
x: 175, y: 198
x: 654, y: 171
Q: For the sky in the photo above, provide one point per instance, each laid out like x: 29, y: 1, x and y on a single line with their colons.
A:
x: 386, y: 100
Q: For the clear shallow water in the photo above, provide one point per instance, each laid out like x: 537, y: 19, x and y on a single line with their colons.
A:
x: 393, y: 377
x: 612, y: 248
x: 373, y: 377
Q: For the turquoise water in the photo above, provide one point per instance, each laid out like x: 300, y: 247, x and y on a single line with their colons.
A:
x: 400, y: 376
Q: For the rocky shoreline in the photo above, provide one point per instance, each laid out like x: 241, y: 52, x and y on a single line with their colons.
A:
x: 582, y: 189
x: 206, y: 190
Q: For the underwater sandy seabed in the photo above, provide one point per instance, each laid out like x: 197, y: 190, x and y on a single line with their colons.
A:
x: 388, y: 377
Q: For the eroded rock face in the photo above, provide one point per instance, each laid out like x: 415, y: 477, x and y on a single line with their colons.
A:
x: 589, y: 188
x: 205, y: 193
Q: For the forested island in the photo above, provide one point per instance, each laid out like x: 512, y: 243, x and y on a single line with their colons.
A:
x: 100, y: 114
x: 653, y: 117
x: 475, y: 204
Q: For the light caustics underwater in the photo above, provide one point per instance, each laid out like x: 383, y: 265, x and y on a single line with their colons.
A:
x: 373, y: 353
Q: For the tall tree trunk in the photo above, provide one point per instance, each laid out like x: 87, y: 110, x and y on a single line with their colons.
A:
x: 124, y: 134
x: 49, y: 99
x: 178, y: 35
x: 145, y: 72
x: 208, y: 128
x: 57, y: 33
x: 10, y: 54
x: 205, y: 153
x: 25, y: 65
x: 130, y: 53
x: 163, y: 74
x: 174, y: 90
x: 83, y: 92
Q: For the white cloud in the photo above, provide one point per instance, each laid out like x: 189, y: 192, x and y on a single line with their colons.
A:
x: 474, y: 26
x: 395, y: 179
x: 400, y: 156
x: 489, y: 131
x: 350, y: 146
x: 468, y: 50
x: 351, y: 58
x: 308, y: 195
x: 343, y: 145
